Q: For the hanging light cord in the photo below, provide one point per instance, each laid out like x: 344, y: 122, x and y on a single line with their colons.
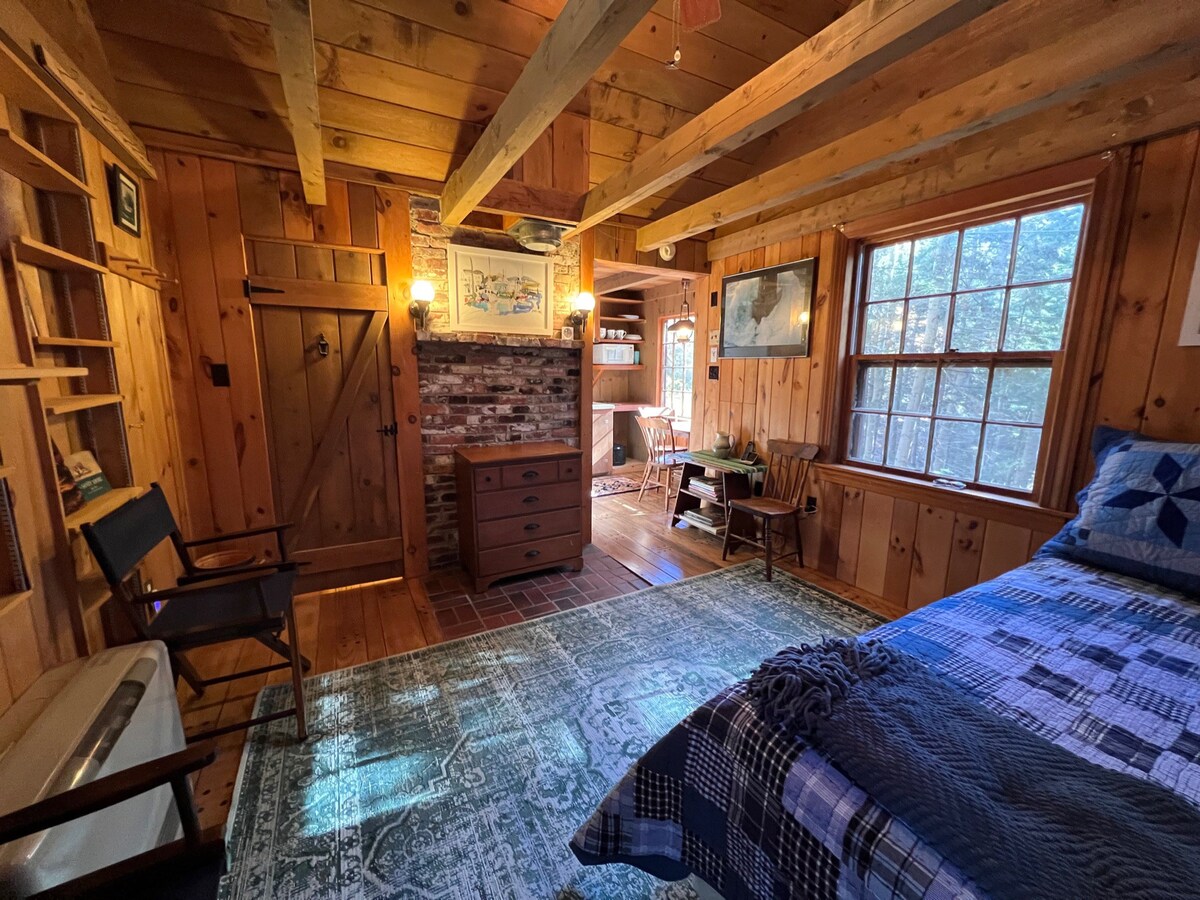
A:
x: 673, y: 62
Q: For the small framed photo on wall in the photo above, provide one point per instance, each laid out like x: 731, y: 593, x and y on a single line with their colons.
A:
x: 126, y: 200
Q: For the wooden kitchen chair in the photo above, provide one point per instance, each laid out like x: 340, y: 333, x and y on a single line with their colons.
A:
x: 203, y: 609
x: 662, y: 458
x: 782, y: 499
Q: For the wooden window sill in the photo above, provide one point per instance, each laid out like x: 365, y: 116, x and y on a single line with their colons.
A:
x: 1025, y: 513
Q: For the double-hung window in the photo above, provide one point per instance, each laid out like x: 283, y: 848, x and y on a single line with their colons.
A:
x: 956, y: 338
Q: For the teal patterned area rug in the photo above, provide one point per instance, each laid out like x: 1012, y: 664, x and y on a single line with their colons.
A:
x: 460, y: 771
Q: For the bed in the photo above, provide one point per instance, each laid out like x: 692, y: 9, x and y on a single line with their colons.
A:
x: 1104, y: 665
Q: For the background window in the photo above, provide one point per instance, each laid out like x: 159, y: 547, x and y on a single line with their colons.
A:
x: 956, y: 342
x: 676, y: 372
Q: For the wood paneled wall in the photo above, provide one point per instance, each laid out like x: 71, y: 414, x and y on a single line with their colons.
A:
x: 912, y: 543
x: 35, y: 633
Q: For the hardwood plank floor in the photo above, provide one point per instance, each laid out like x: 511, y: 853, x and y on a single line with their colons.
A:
x: 632, y: 548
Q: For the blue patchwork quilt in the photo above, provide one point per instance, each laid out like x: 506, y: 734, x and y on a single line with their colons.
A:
x: 1105, y: 666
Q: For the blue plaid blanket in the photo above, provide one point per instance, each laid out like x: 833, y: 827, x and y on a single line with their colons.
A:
x: 1105, y: 666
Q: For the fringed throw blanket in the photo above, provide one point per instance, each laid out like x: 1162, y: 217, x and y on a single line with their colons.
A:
x: 1019, y: 815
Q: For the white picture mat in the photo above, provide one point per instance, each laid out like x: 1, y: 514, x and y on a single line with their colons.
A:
x: 1189, y: 335
x: 503, y: 281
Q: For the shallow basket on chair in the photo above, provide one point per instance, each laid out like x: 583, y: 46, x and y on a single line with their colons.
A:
x: 207, y: 607
x: 781, y: 501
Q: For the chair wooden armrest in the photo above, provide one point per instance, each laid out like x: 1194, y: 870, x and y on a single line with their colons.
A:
x: 277, y: 528
x: 204, y: 586
x: 207, y: 577
x: 107, y: 791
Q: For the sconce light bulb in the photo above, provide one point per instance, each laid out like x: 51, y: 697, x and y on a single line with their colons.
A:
x: 422, y: 291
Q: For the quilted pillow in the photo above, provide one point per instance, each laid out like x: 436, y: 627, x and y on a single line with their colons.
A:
x: 1140, y: 515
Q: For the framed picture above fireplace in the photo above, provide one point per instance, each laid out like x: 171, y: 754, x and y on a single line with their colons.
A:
x: 502, y: 292
x: 766, y: 312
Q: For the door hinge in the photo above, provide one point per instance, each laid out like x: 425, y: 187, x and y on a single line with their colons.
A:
x: 390, y: 430
x: 248, y: 289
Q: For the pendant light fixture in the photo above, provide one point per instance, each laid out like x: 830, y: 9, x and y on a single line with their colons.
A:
x: 683, y: 329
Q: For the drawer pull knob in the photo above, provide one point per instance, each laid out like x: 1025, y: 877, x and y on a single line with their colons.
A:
x: 532, y: 526
x: 530, y: 500
x: 530, y: 474
x: 532, y: 553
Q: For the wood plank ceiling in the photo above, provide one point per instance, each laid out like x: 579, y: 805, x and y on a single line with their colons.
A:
x: 408, y: 87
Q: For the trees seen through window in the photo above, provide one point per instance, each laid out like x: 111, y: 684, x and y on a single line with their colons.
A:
x: 956, y: 342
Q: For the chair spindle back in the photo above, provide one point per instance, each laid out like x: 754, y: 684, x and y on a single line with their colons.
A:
x: 658, y: 435
x: 787, y: 471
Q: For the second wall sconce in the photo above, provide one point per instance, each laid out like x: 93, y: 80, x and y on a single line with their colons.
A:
x: 422, y: 293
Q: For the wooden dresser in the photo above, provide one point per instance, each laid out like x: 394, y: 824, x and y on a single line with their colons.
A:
x: 520, y: 509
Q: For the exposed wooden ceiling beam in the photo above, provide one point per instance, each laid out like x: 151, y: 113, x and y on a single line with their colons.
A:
x: 1091, y: 46
x: 292, y: 32
x: 853, y: 48
x: 581, y: 38
x: 1158, y: 102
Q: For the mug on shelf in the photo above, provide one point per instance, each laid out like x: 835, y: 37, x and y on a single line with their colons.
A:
x: 618, y: 333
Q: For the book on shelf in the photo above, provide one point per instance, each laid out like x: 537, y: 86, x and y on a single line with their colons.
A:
x: 80, y: 479
x: 712, y: 518
x: 705, y: 491
x: 68, y: 490
x: 87, y: 474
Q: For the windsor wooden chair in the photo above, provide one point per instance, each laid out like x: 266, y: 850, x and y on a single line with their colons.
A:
x: 782, y: 500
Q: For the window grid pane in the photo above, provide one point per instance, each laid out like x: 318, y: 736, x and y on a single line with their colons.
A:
x: 920, y: 408
x: 675, y: 372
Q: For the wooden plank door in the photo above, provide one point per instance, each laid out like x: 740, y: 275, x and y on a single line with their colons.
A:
x: 325, y: 373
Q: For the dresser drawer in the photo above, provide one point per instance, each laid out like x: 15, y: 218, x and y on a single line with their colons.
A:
x: 487, y: 479
x: 526, y: 501
x: 529, y: 473
x: 535, y: 553
x: 568, y: 470
x: 502, y: 532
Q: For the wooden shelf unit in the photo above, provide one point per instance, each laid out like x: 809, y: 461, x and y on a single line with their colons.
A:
x: 66, y: 343
x: 97, y: 509
x: 26, y: 162
x: 58, y: 316
x: 61, y: 406
x: 24, y: 88
x: 44, y: 256
x: 28, y: 374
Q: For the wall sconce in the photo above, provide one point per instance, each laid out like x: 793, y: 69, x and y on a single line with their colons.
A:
x: 581, y: 307
x: 422, y: 298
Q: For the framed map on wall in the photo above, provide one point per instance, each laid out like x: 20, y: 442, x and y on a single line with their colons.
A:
x: 502, y: 292
x: 766, y: 312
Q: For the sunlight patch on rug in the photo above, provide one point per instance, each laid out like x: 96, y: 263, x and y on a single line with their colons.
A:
x: 460, y: 771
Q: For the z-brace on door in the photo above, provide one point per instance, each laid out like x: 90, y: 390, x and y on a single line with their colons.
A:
x: 325, y: 372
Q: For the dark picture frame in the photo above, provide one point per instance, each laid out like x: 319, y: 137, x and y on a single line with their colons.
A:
x: 126, y: 198
x: 768, y: 312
